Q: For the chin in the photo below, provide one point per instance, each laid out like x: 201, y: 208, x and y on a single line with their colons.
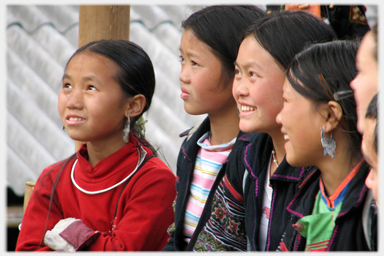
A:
x: 292, y: 160
x: 246, y: 127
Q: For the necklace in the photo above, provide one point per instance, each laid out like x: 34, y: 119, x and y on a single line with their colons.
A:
x: 142, y: 153
x: 274, y: 157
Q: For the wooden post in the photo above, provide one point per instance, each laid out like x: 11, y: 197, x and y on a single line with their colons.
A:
x: 102, y: 22
x: 29, y: 186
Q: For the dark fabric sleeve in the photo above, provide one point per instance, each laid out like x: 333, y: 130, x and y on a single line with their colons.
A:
x: 79, y: 235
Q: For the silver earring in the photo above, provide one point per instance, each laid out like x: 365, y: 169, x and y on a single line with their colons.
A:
x: 126, y: 130
x: 329, y: 145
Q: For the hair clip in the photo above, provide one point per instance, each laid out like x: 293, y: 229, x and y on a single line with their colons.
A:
x: 325, y: 86
x: 342, y: 94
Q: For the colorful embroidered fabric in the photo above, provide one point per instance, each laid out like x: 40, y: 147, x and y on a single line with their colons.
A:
x: 225, y: 230
x: 356, y: 16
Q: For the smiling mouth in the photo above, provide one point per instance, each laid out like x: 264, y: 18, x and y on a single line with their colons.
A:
x: 76, y: 119
x: 286, y: 137
x: 244, y: 108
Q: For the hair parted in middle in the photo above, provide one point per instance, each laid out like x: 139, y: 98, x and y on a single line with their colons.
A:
x: 220, y: 27
x: 284, y: 34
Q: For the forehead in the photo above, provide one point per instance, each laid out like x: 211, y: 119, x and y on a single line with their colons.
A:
x: 366, y: 47
x: 89, y: 62
x: 190, y: 41
x: 287, y: 87
x: 250, y: 44
x: 251, y: 53
x: 369, y: 130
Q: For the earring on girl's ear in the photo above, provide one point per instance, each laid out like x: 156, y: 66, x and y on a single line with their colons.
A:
x: 126, y: 130
x: 329, y: 145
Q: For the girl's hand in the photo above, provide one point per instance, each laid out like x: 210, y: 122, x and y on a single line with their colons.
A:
x: 70, y: 235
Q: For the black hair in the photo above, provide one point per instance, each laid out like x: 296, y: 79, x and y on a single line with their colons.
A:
x: 135, y: 75
x: 284, y: 34
x: 220, y: 27
x: 375, y: 40
x: 372, y: 113
x: 323, y: 69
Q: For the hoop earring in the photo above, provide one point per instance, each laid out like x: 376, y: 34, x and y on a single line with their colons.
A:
x: 127, y: 128
x: 329, y: 145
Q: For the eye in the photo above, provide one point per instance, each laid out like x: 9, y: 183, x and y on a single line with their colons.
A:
x: 194, y: 63
x: 67, y: 86
x: 181, y: 59
x: 252, y: 74
x: 92, y: 88
x: 237, y: 72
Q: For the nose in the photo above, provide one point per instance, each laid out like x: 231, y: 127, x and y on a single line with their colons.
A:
x: 75, y: 99
x: 239, y: 88
x: 369, y: 180
x: 352, y: 84
x: 278, y: 118
x: 184, y: 76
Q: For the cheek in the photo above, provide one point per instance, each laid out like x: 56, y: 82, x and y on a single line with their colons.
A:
x: 273, y: 102
x: 61, y: 103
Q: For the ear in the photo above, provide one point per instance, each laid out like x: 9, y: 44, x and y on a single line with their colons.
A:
x: 334, y: 115
x: 135, y: 105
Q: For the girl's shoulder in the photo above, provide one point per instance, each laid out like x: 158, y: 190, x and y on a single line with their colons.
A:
x: 154, y: 165
x: 50, y: 173
x: 198, y: 130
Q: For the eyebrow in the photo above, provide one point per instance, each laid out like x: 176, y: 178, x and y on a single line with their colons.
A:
x: 248, y: 65
x: 85, y: 79
x: 189, y: 52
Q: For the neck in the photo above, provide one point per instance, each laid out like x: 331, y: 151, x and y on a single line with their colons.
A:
x: 278, y: 145
x: 97, y: 151
x: 224, y: 126
x: 335, y: 170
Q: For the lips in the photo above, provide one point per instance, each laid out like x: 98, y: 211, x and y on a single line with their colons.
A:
x: 245, y: 108
x: 74, y: 120
x: 184, y: 94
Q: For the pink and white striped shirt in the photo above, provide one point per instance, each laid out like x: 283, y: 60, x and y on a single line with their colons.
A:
x: 208, y: 163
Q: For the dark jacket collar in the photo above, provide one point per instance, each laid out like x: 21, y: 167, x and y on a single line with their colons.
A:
x: 302, y: 203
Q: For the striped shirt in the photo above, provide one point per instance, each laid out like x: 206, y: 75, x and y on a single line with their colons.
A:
x: 208, y: 163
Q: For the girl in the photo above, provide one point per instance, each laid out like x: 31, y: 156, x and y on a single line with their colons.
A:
x: 259, y: 177
x: 319, y: 126
x: 208, y: 49
x: 365, y: 84
x: 114, y: 194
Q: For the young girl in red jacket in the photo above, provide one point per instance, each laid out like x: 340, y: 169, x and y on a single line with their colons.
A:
x: 114, y: 194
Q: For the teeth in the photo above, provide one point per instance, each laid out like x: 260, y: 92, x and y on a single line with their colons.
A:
x: 75, y: 119
x: 286, y: 137
x: 244, y: 108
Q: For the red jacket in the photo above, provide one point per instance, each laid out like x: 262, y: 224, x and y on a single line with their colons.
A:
x: 144, y: 210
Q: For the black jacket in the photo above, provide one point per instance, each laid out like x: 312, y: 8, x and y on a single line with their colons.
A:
x: 185, y: 167
x: 246, y: 171
x: 284, y: 181
x: 348, y: 234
